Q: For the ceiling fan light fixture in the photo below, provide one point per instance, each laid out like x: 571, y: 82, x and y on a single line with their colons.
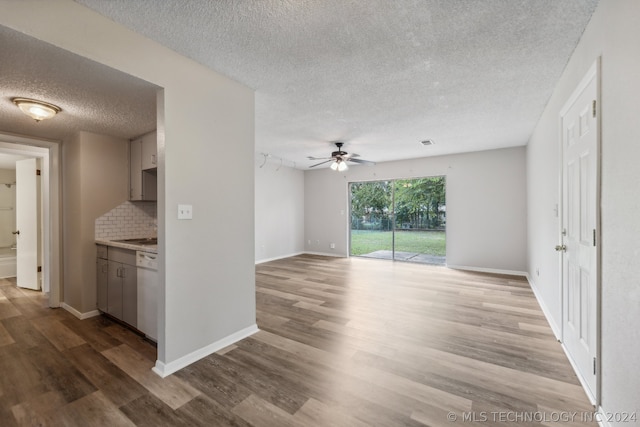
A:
x: 37, y: 110
x: 339, y: 159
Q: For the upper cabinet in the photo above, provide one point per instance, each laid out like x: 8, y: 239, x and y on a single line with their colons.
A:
x: 149, y: 151
x: 143, y: 168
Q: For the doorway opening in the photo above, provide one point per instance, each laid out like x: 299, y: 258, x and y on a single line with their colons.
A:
x: 402, y: 219
x: 47, y: 153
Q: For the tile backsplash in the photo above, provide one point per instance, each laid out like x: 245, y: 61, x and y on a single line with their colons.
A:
x: 129, y: 220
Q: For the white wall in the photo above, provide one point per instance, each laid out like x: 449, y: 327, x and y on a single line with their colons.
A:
x: 207, y: 291
x: 486, y: 206
x: 95, y: 179
x: 279, y: 222
x: 613, y: 33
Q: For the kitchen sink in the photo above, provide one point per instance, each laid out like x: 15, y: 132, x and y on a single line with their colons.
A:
x: 140, y: 241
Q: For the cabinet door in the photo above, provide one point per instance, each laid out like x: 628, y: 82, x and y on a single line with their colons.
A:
x: 135, y: 169
x: 149, y: 185
x: 102, y: 268
x: 130, y: 294
x: 114, y: 293
x: 149, y: 151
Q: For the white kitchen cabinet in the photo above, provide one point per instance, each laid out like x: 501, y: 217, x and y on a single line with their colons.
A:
x: 102, y: 265
x: 121, y: 285
x: 143, y: 168
x: 149, y: 151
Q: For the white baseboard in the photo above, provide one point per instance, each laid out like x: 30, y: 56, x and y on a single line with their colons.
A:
x: 603, y: 420
x: 261, y: 261
x: 165, y: 369
x: 545, y: 310
x: 583, y: 383
x: 78, y: 314
x: 487, y: 270
x: 601, y: 414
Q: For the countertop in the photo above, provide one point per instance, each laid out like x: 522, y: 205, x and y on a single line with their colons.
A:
x: 133, y: 247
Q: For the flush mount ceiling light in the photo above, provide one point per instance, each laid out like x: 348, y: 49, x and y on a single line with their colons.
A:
x: 37, y: 110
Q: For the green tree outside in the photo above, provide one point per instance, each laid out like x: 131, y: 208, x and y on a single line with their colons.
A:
x: 420, y: 215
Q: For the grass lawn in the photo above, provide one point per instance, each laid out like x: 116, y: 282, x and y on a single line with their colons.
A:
x: 424, y: 242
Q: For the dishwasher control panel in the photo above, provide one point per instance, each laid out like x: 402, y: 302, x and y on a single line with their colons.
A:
x: 147, y: 260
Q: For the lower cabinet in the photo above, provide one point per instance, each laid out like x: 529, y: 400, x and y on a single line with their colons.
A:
x: 117, y: 288
x: 103, y: 278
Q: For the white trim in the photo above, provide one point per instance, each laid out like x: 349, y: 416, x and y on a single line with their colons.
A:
x: 48, y: 150
x: 593, y: 74
x: 602, y: 417
x: 487, y: 270
x: 583, y: 383
x: 261, y: 261
x: 545, y: 310
x: 78, y: 314
x: 586, y: 81
x: 165, y: 369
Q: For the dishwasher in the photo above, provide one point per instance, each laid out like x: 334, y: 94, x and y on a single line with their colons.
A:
x: 147, y: 263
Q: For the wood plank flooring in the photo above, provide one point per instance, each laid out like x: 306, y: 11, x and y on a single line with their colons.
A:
x: 342, y: 342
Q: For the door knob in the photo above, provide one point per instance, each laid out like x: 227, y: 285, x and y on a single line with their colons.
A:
x: 561, y: 248
x: 15, y: 232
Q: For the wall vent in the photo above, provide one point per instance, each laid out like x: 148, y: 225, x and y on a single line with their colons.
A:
x: 427, y: 142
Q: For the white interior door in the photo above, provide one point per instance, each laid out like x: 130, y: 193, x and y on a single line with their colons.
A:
x: 580, y: 183
x: 27, y: 224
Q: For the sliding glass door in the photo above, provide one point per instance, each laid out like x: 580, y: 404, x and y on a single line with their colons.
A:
x: 399, y: 219
x: 372, y: 219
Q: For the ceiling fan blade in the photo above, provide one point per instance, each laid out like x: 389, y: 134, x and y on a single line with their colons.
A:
x: 362, y: 162
x: 321, y: 163
x: 348, y: 156
x: 317, y: 158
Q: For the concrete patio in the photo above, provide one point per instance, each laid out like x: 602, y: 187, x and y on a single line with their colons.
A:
x: 407, y: 256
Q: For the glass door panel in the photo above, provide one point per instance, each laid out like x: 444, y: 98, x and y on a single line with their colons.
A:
x: 420, y: 212
x: 372, y: 219
x: 402, y: 219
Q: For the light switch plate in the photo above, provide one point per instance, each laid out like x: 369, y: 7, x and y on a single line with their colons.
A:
x: 185, y: 211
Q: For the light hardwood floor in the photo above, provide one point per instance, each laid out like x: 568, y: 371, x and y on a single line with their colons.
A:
x: 342, y: 342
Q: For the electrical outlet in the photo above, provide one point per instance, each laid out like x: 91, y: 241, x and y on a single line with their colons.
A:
x: 317, y: 242
x: 333, y: 246
x: 309, y: 242
x: 185, y: 212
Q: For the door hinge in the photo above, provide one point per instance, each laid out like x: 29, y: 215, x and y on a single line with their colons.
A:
x: 594, y: 237
x: 594, y: 108
x: 39, y: 269
x: 38, y: 172
x: 594, y: 366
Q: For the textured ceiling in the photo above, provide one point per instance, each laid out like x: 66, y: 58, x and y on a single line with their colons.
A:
x: 93, y: 97
x: 380, y: 75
